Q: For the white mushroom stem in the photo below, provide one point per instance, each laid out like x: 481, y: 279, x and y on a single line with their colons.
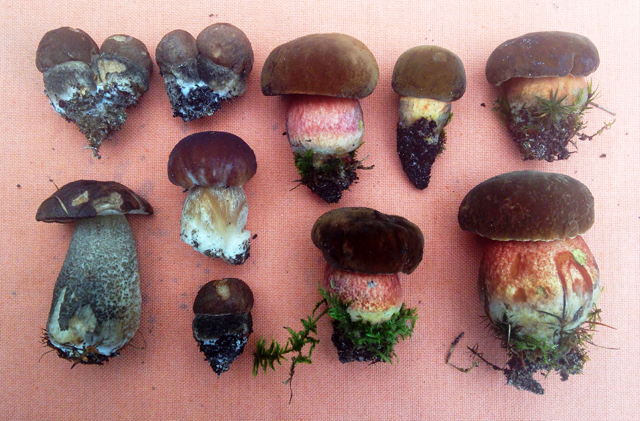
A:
x: 213, y: 222
x: 413, y: 109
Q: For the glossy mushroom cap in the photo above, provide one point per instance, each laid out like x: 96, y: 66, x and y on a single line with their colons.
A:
x: 334, y: 65
x: 226, y: 46
x: 368, y: 241
x: 129, y: 48
x: 428, y: 71
x: 88, y: 198
x: 528, y: 206
x: 64, y: 44
x: 225, y: 296
x: 174, y: 48
x: 211, y: 159
x: 542, y: 54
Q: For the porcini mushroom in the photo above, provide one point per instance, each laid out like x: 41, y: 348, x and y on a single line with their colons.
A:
x: 323, y: 76
x: 427, y: 78
x: 544, y: 93
x: 214, y: 166
x: 539, y: 280
x: 201, y: 73
x: 89, y: 87
x: 96, y: 302
x: 222, y: 322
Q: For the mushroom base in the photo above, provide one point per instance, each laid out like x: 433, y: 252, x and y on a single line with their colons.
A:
x: 418, y: 146
x: 328, y: 175
x: 222, y: 338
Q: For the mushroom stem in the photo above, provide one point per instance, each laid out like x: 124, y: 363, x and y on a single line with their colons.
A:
x: 96, y: 302
x: 213, y: 222
x: 568, y: 91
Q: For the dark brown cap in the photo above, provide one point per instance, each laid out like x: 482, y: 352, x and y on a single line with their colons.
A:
x: 335, y: 65
x: 130, y: 48
x: 428, y: 71
x: 214, y: 159
x: 174, y: 48
x: 225, y: 296
x: 542, y: 54
x: 89, y: 198
x: 368, y: 241
x: 64, y: 44
x: 528, y: 206
x: 226, y: 46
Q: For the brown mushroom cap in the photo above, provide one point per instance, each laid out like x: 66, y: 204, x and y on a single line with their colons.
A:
x: 130, y: 48
x: 64, y: 44
x: 528, y: 206
x: 226, y: 46
x: 213, y: 159
x: 335, y: 65
x: 368, y: 241
x: 542, y: 54
x: 225, y: 296
x: 428, y: 71
x: 174, y: 48
x: 89, y: 198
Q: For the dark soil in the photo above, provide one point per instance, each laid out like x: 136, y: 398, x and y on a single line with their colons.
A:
x: 347, y: 351
x: 200, y: 102
x: 223, y: 351
x: 334, y: 176
x: 416, y: 154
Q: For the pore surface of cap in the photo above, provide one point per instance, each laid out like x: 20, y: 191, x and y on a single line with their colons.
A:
x: 528, y: 206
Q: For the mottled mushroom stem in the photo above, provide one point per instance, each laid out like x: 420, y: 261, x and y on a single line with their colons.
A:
x: 421, y: 136
x: 537, y: 295
x: 213, y: 222
x: 96, y: 303
x: 324, y: 133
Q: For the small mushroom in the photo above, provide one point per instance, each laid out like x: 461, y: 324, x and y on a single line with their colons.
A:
x: 539, y: 280
x: 544, y: 93
x: 323, y: 76
x: 214, y: 166
x: 201, y: 73
x: 222, y: 322
x: 96, y: 302
x: 427, y: 78
x: 89, y: 87
x: 364, y: 250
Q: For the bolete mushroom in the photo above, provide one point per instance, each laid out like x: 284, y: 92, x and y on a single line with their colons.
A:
x: 201, y: 73
x: 323, y: 76
x: 538, y: 278
x: 544, y: 93
x: 214, y: 166
x: 89, y: 87
x: 427, y: 78
x: 222, y: 322
x: 96, y: 302
x: 365, y: 249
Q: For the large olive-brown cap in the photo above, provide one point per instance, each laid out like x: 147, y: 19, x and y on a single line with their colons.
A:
x: 89, y: 198
x: 213, y: 159
x: 225, y: 296
x: 130, y: 48
x: 226, y: 46
x: 542, y: 54
x: 528, y: 206
x: 365, y: 240
x: 64, y: 44
x: 175, y: 48
x: 428, y: 71
x: 335, y: 65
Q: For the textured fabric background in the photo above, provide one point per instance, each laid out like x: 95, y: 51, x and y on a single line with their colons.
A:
x: 162, y: 375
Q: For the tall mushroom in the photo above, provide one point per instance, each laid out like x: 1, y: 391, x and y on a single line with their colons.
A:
x: 89, y: 87
x: 214, y: 166
x: 96, y: 302
x: 324, y: 76
x: 539, y: 280
x: 201, y: 73
x: 544, y: 93
x: 427, y: 78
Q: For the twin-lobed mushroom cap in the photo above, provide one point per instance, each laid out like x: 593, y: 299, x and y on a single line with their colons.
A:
x: 89, y: 198
x: 335, y: 65
x: 368, y: 241
x: 542, y: 54
x: 429, y: 71
x: 528, y: 206
x: 213, y: 159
